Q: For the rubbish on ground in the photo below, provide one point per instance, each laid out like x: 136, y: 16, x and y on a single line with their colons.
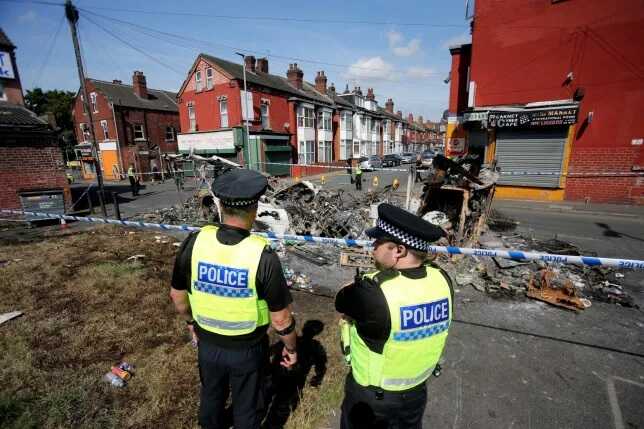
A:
x: 135, y: 257
x: 5, y: 317
x: 114, y: 380
x: 121, y: 373
x: 307, y: 254
x: 545, y: 286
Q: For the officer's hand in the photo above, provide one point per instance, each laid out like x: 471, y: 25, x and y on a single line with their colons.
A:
x: 193, y: 335
x: 288, y: 359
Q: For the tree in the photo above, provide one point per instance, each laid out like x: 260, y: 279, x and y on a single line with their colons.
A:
x: 59, y: 103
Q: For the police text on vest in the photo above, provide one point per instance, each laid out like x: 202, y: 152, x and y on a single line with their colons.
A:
x: 416, y: 316
x: 222, y: 275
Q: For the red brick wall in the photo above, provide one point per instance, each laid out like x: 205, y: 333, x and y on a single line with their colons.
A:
x: 25, y: 168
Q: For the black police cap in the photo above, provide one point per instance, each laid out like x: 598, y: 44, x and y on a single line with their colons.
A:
x: 239, y: 187
x: 400, y: 226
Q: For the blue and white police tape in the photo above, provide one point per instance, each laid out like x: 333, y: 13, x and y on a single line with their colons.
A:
x: 517, y: 255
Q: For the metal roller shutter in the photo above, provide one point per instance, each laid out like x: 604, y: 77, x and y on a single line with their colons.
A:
x: 531, y: 150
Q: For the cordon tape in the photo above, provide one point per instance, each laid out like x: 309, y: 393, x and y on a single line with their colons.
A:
x: 516, y: 255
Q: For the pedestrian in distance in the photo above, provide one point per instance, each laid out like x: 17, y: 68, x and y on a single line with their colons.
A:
x: 419, y: 164
x: 349, y: 171
x: 134, y: 185
x: 358, y: 177
x: 395, y: 324
x: 228, y: 286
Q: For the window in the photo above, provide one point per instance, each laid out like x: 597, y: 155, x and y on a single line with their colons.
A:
x: 139, y: 134
x: 223, y: 112
x: 347, y: 121
x: 198, y: 81
x: 324, y: 121
x: 209, y: 78
x: 265, y: 120
x: 84, y: 128
x: 170, y: 134
x: 325, y: 151
x: 106, y: 132
x: 92, y: 101
x: 345, y: 149
x: 356, y: 148
x: 307, y: 152
x: 192, y: 119
x: 305, y: 117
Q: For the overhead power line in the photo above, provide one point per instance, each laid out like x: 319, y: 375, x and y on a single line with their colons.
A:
x: 47, y: 56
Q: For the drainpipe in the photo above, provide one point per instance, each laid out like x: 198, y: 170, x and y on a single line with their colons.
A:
x: 118, y: 141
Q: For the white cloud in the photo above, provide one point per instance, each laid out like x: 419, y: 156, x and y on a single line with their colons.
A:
x: 371, y: 68
x: 457, y: 40
x: 399, y: 47
x: 27, y: 17
x: 420, y: 72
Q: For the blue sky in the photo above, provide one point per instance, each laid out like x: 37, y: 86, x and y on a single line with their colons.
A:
x: 405, y: 62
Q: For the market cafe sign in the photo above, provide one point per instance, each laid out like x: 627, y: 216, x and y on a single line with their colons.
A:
x: 533, y: 118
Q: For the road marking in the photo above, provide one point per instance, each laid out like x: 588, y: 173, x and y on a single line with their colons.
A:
x: 459, y: 400
x: 614, y: 402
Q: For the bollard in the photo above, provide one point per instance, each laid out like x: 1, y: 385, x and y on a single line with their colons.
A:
x: 374, y: 181
x: 322, y: 180
x: 115, y: 202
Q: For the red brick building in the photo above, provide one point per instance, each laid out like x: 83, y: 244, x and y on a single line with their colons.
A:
x: 291, y: 121
x: 32, y: 170
x: 554, y: 87
x: 132, y: 124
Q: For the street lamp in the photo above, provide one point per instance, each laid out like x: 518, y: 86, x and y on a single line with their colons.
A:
x: 246, y: 106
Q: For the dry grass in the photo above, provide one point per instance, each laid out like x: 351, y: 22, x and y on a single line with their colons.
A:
x: 86, y: 308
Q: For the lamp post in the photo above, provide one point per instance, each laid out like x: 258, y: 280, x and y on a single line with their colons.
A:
x: 247, y: 111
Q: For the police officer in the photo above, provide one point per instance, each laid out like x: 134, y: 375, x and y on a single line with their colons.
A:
x: 228, y: 286
x: 400, y: 316
x: 358, y: 177
x: 131, y: 175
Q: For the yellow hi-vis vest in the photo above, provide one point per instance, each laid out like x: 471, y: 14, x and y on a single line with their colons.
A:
x: 130, y: 172
x: 223, y: 296
x: 421, y: 312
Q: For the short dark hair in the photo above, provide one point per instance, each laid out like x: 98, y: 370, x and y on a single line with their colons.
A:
x: 237, y: 211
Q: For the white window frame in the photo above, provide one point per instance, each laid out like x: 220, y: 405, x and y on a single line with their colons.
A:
x: 92, y: 101
x: 264, y: 115
x: 210, y: 78
x: 223, y: 112
x: 306, y: 152
x: 106, y: 130
x: 305, y: 117
x: 347, y: 121
x: 84, y: 129
x: 324, y: 120
x: 141, y: 128
x: 356, y: 148
x: 325, y: 151
x: 346, y: 149
x: 173, y: 133
x: 192, y: 117
x: 198, y: 81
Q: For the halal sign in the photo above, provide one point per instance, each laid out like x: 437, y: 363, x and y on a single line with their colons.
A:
x: 6, y: 68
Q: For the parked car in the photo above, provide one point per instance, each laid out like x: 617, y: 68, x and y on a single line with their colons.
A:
x: 426, y: 158
x: 407, y: 157
x: 370, y: 163
x: 391, y: 160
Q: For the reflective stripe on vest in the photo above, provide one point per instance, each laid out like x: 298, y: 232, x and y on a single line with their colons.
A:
x: 223, y: 297
x: 420, y: 312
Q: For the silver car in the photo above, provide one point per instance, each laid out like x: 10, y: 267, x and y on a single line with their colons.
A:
x: 407, y: 157
x: 370, y: 163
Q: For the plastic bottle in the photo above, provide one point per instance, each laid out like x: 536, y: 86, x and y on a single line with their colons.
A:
x: 114, y: 380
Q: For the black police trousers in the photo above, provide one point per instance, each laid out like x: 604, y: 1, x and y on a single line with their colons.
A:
x: 240, y: 369
x: 368, y: 408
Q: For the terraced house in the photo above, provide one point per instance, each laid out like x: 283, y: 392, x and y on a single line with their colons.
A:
x: 290, y: 120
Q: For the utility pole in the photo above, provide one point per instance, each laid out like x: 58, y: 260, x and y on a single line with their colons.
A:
x: 72, y: 17
x: 247, y: 111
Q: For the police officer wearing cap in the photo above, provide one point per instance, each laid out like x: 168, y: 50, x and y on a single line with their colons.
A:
x: 229, y: 286
x: 399, y: 318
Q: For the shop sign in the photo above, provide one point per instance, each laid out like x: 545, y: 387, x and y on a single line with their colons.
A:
x: 536, y: 118
x: 6, y: 68
x: 474, y: 116
x: 216, y: 140
x: 455, y: 146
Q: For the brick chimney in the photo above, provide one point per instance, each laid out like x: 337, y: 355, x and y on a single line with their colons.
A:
x: 331, y: 89
x: 410, y: 118
x: 389, y: 105
x: 357, y: 90
x: 320, y: 82
x: 118, y: 81
x: 262, y: 65
x: 295, y: 76
x: 250, y: 63
x: 370, y: 95
x: 139, y: 84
